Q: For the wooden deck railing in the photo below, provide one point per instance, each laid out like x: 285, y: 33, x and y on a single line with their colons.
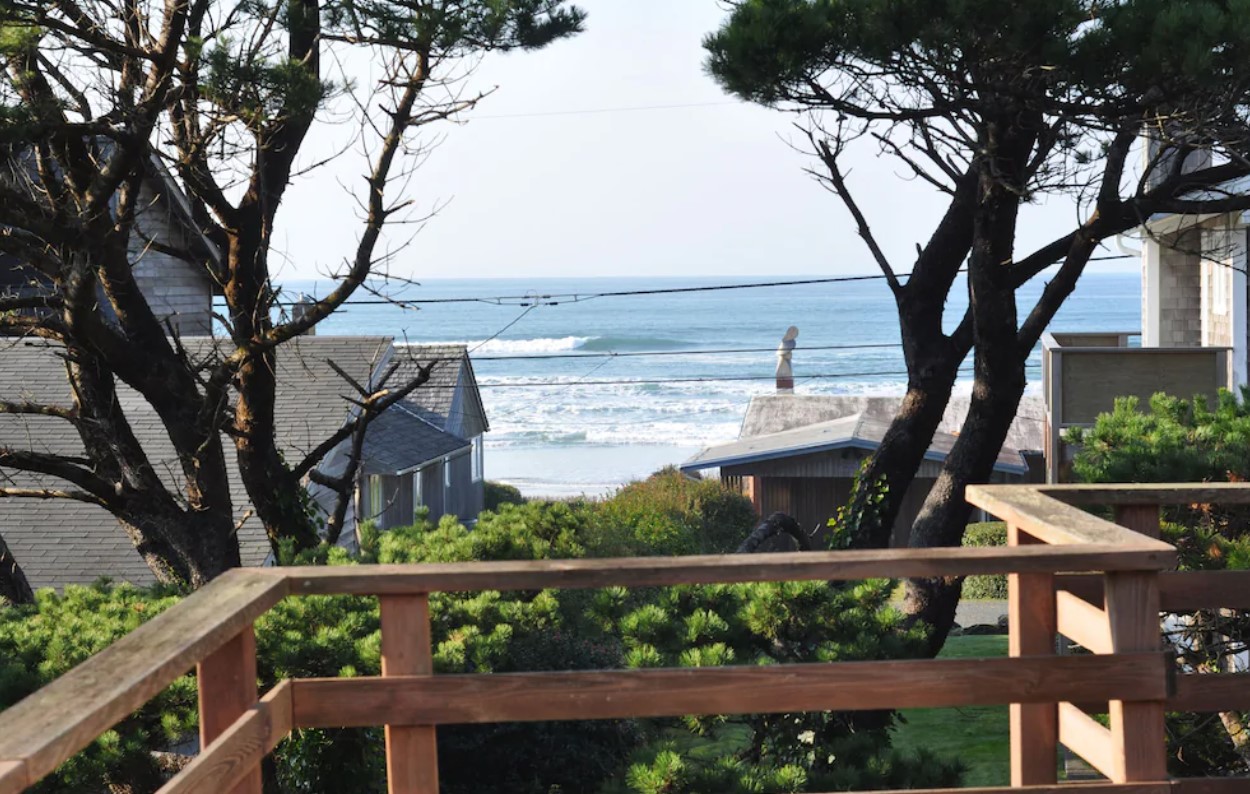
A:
x: 1100, y: 583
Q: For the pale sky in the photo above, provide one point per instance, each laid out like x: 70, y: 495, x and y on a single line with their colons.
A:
x: 534, y: 190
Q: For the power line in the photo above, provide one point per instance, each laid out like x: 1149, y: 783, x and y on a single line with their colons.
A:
x: 556, y: 298
x: 596, y: 111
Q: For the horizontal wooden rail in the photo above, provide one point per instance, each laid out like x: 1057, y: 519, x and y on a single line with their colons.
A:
x: 844, y: 686
x: 710, y: 569
x: 240, y: 748
x: 1179, y: 591
x: 1227, y: 493
x: 1065, y: 788
x: 1211, y: 692
x: 1041, y: 515
x: 68, y: 714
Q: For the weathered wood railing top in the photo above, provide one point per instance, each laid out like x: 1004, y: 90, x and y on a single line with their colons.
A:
x: 1052, y: 542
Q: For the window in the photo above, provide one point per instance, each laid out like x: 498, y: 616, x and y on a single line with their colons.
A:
x: 375, y: 497
x: 477, y: 459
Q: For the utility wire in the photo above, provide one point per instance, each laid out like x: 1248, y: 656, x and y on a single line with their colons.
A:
x: 596, y: 111
x: 555, y: 299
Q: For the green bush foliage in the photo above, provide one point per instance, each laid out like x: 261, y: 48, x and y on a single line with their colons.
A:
x: 499, y: 494
x: 670, y: 513
x: 42, y: 641
x: 1175, y: 440
x: 988, y: 533
x: 772, y: 623
x: 517, y: 631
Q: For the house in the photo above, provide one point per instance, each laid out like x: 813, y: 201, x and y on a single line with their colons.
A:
x: 412, y: 455
x: 168, y: 253
x: 425, y: 451
x: 1195, y: 332
x: 799, y: 454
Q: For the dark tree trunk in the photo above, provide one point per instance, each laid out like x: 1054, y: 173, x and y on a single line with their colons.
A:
x: 898, y: 457
x: 181, y: 548
x: 775, y: 525
x: 933, y: 359
x: 14, y: 589
x: 999, y: 377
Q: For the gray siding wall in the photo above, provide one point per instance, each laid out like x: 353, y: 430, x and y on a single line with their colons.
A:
x: 177, y: 290
x: 1180, y: 300
x: 432, y: 490
x: 394, y: 509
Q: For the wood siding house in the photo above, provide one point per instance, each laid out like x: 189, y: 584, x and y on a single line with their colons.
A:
x: 443, y: 423
x: 1195, y: 332
x: 425, y: 451
x: 799, y: 454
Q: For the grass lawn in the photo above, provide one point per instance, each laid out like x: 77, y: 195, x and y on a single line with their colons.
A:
x: 976, y: 735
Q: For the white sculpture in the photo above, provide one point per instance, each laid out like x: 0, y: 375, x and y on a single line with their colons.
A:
x: 785, y: 375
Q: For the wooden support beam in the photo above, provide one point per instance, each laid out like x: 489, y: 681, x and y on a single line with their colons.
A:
x: 745, y: 689
x: 1211, y: 785
x: 1161, y: 787
x: 411, y: 750
x: 1084, y: 736
x: 1179, y: 591
x: 1031, y: 623
x: 1132, y: 601
x: 1211, y: 692
x: 49, y: 726
x: 227, y: 688
x: 13, y: 777
x: 1142, y: 518
x: 236, y: 754
x: 1082, y: 622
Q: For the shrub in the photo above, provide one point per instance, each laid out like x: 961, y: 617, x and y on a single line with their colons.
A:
x: 989, y: 533
x: 499, y: 494
x: 42, y: 641
x: 1178, y: 440
x: 515, y: 631
x: 771, y: 623
x: 670, y: 513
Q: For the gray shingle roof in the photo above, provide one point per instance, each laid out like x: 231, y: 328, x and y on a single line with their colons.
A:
x: 399, y: 440
x: 435, y: 399
x: 858, y: 431
x: 773, y: 413
x: 60, y: 542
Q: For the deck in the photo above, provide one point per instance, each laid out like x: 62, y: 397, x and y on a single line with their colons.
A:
x: 1099, y: 583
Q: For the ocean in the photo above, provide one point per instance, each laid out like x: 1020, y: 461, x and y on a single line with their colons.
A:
x: 585, y: 393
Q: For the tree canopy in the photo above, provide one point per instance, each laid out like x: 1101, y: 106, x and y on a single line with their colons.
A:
x: 213, y: 102
x: 996, y: 105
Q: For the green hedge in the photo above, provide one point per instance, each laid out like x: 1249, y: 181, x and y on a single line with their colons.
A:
x: 988, y: 533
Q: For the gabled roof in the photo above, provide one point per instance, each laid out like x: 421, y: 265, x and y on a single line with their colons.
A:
x: 858, y: 431
x: 435, y: 399
x: 394, y: 437
x: 60, y: 542
x: 772, y: 413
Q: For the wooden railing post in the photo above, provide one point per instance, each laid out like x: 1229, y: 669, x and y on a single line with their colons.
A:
x: 411, y: 750
x: 1139, y: 746
x: 1031, y: 623
x: 1142, y: 518
x: 227, y: 688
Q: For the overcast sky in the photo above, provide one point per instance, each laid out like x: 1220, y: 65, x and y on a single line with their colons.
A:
x: 536, y: 185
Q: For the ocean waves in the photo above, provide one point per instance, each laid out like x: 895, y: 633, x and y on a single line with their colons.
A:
x: 569, y: 344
